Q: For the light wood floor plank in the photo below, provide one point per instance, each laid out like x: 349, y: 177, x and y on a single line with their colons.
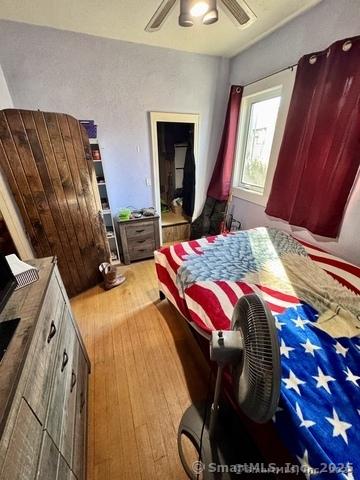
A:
x: 146, y: 370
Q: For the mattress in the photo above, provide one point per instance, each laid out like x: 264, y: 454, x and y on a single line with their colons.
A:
x: 320, y: 392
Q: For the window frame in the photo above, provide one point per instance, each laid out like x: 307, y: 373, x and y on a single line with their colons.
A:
x: 283, y: 83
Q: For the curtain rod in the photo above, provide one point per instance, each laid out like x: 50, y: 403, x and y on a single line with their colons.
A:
x: 290, y: 67
x: 345, y: 46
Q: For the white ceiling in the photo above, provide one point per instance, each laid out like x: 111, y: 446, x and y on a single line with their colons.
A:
x: 126, y: 20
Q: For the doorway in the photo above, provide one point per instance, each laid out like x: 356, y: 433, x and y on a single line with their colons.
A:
x: 175, y: 140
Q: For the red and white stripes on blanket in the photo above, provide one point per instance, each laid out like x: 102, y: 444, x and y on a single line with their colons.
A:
x: 209, y: 305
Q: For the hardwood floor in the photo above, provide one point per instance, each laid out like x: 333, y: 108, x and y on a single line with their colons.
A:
x: 146, y: 370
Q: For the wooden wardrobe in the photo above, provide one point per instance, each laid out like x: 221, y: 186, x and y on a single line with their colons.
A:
x: 46, y: 159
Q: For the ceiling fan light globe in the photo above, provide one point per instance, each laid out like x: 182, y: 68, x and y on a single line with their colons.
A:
x: 185, y: 20
x: 211, y: 17
x: 199, y: 8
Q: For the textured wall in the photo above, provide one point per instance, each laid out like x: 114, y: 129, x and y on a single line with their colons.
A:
x: 314, y: 30
x: 329, y: 21
x: 117, y: 84
x: 5, y: 98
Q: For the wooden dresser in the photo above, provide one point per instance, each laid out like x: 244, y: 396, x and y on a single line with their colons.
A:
x: 43, y: 385
x: 139, y: 238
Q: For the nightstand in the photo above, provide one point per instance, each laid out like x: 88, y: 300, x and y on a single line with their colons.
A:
x: 139, y: 237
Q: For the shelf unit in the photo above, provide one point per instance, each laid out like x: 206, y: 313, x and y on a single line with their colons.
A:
x: 106, y: 209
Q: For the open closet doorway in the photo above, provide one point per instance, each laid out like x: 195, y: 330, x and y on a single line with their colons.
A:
x: 175, y: 148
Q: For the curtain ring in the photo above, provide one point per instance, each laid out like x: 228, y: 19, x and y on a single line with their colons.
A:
x: 313, y: 59
x: 238, y: 90
x: 347, y: 45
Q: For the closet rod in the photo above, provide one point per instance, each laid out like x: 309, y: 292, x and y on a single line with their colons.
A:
x: 290, y: 67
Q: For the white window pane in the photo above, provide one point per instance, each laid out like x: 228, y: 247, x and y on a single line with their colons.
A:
x: 259, y: 140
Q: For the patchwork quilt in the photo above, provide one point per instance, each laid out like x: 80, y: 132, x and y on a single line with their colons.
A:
x: 315, y: 300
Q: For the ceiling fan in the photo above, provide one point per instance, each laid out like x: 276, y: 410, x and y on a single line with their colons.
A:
x: 206, y: 10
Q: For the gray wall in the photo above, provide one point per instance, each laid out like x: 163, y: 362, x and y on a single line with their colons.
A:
x: 117, y: 83
x: 5, y: 98
x: 329, y: 21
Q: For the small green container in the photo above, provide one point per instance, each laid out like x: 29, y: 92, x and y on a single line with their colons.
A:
x: 124, y: 214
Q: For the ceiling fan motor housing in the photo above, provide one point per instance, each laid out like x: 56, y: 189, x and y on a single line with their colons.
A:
x: 226, y: 347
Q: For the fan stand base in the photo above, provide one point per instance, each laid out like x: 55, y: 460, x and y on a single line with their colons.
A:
x: 217, y: 450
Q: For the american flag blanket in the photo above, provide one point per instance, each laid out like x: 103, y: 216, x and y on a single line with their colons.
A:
x: 319, y: 410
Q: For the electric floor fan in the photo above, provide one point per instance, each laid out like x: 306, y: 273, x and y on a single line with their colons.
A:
x: 251, y: 352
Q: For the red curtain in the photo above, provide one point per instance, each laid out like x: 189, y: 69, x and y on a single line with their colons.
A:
x: 220, y: 183
x: 320, y: 152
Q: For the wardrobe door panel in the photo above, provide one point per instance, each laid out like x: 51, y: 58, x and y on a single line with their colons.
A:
x: 46, y: 160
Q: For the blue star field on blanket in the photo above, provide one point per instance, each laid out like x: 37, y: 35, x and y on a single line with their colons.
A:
x: 319, y: 410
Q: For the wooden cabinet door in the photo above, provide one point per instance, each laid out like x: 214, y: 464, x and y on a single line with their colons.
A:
x: 48, y: 461
x: 61, y: 379
x: 64, y: 472
x: 38, y: 385
x: 52, y: 465
x: 80, y: 433
x: 46, y: 159
x: 22, y: 455
x: 67, y: 434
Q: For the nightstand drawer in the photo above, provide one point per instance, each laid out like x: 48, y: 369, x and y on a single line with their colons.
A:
x: 141, y: 249
x: 145, y: 229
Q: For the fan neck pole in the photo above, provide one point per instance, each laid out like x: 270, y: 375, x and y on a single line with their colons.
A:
x: 215, y: 405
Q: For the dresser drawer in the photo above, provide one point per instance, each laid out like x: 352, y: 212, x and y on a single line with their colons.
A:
x: 142, y: 245
x: 61, y: 379
x: 38, y: 385
x: 144, y: 229
x: 142, y: 249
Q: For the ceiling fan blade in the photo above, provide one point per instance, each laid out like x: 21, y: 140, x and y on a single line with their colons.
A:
x: 240, y: 12
x: 160, y: 15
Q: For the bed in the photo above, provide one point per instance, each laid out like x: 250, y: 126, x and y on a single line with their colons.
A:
x: 315, y: 299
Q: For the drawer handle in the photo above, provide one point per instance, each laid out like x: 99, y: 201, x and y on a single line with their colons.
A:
x: 141, y: 241
x: 73, y: 381
x: 139, y: 231
x: 82, y: 401
x: 52, y: 332
x: 65, y: 360
x: 142, y: 249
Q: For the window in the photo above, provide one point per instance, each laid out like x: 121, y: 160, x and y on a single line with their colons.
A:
x: 260, y: 129
x: 262, y: 120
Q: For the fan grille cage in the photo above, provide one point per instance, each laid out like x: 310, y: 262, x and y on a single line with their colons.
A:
x: 257, y: 378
